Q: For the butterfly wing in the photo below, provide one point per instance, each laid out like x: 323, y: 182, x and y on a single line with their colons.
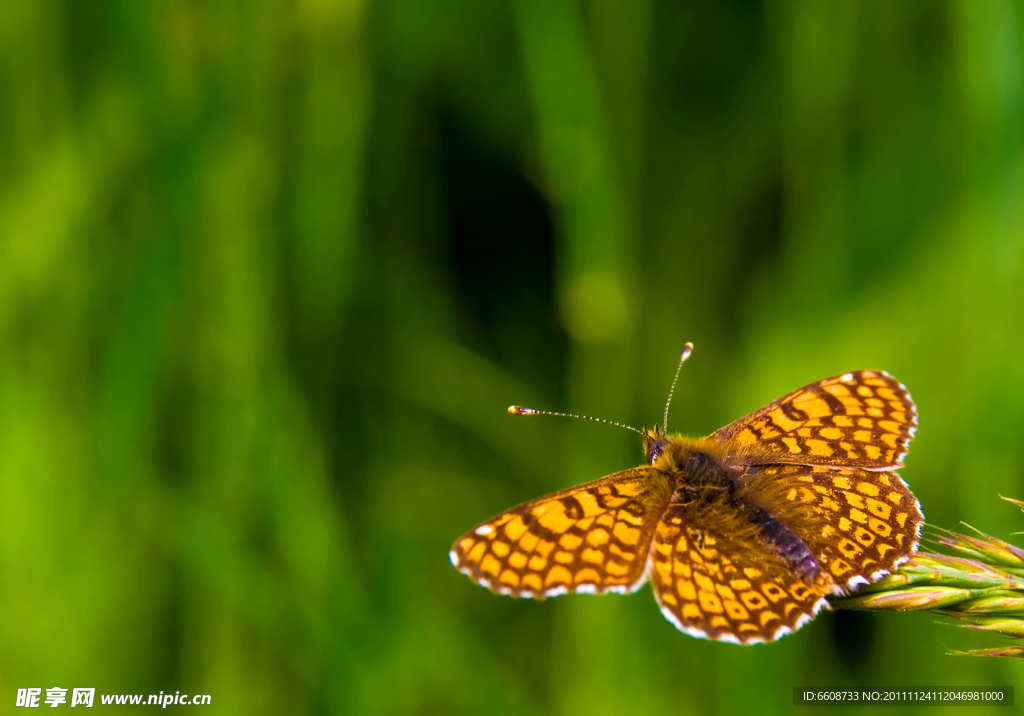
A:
x: 592, y: 538
x: 859, y: 524
x: 863, y: 419
x: 715, y: 578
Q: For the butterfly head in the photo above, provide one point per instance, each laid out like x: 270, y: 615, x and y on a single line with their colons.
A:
x: 654, y: 443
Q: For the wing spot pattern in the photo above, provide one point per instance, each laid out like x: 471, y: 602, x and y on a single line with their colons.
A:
x: 686, y: 589
x: 709, y: 602
x: 570, y: 541
x: 558, y: 575
x: 879, y: 509
x: 867, y: 488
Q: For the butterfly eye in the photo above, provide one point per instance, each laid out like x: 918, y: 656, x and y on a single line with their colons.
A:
x: 655, y: 450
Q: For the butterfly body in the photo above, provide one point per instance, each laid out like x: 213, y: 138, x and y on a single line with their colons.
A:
x: 707, y: 475
x: 742, y: 533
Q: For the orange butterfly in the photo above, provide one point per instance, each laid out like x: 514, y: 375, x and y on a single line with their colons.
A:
x: 742, y: 533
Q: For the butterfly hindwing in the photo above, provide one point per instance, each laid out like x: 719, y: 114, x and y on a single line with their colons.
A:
x: 714, y: 578
x: 859, y: 524
x: 590, y: 538
x: 861, y: 419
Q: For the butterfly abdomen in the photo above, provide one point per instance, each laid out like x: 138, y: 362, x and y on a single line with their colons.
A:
x: 792, y: 549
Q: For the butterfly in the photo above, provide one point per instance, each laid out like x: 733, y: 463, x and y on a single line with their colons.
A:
x: 743, y: 533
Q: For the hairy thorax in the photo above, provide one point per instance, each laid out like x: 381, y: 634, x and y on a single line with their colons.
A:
x: 697, y: 465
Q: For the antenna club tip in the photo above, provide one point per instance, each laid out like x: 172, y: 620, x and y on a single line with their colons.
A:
x: 687, y: 350
x: 517, y: 410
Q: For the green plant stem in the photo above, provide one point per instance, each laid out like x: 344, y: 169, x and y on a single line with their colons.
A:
x: 983, y: 589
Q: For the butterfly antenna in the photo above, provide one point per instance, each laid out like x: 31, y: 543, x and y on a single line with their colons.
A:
x: 687, y: 350
x: 519, y: 410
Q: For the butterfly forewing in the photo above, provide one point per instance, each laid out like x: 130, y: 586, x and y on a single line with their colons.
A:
x: 859, y: 524
x: 861, y: 419
x: 591, y: 538
x: 714, y: 579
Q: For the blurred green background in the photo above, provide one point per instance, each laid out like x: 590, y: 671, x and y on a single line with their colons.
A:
x: 271, y: 272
